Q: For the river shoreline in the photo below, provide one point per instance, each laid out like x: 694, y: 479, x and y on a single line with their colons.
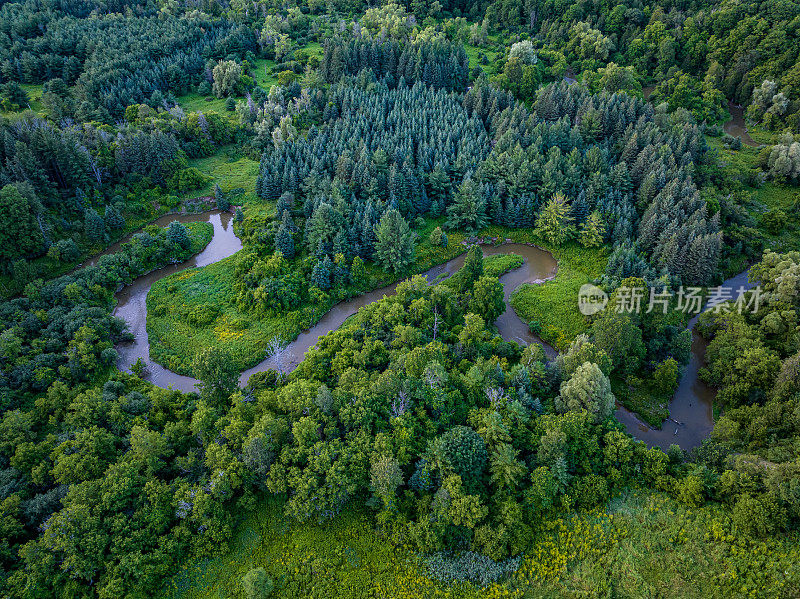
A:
x: 690, y: 408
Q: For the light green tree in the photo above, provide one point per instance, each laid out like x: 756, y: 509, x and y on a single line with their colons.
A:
x: 394, y: 244
x: 588, y: 389
x: 257, y: 584
x: 227, y: 75
x: 592, y: 231
x: 555, y: 223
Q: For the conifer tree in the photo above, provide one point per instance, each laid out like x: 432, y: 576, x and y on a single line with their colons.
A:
x: 592, y: 231
x: 223, y: 203
x: 468, y: 210
x: 473, y: 266
x: 321, y: 275
x: 93, y: 225
x: 554, y: 223
x: 177, y: 234
x: 113, y: 218
x: 284, y: 241
x: 394, y: 244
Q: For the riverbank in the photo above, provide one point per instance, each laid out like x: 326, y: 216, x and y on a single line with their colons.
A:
x: 132, y: 299
x: 691, y: 410
x: 547, y: 286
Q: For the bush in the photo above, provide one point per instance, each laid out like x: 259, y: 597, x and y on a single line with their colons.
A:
x: 436, y: 237
x: 469, y: 566
x: 666, y: 376
x: 203, y: 314
x: 774, y: 221
x: 188, y: 179
x: 64, y: 250
x: 257, y: 584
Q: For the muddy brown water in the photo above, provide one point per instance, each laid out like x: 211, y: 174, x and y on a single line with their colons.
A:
x: 538, y: 265
x: 691, y: 417
x: 737, y: 127
x: 132, y: 299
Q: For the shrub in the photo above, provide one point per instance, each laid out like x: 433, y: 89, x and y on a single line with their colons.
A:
x: 666, y: 376
x: 257, y: 584
x: 469, y: 566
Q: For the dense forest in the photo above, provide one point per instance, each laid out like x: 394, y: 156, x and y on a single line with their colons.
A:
x: 311, y: 191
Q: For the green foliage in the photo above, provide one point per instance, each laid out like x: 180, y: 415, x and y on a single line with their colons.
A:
x: 554, y: 223
x: 488, y: 465
x: 618, y: 336
x: 468, y: 210
x: 20, y: 235
x: 394, y: 243
x: 592, y: 231
x: 587, y: 389
x: 666, y: 376
x: 465, y: 454
x: 177, y: 234
x: 13, y: 97
x: 257, y: 584
x: 554, y: 303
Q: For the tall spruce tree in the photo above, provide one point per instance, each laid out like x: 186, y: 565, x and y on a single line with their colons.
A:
x: 394, y: 244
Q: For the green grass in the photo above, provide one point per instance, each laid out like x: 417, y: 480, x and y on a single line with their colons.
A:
x: 554, y: 303
x: 230, y: 171
x: 195, y: 102
x: 34, y: 91
x: 493, y: 266
x: 649, y: 402
x: 640, y: 545
x: 264, y: 78
x: 200, y: 235
x: 341, y: 558
x: 766, y: 198
x: 196, y: 308
x: 262, y: 69
x: 474, y: 52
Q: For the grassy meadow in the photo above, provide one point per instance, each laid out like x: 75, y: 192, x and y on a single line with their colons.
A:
x: 641, y: 545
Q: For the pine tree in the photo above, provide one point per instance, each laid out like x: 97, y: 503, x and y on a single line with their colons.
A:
x: 341, y: 245
x: 468, y: 210
x: 113, y: 218
x: 178, y: 235
x: 473, y: 267
x: 592, y: 231
x: 223, y: 203
x: 284, y: 241
x: 321, y: 275
x: 93, y: 225
x: 554, y: 223
x: 285, y: 202
x: 394, y: 245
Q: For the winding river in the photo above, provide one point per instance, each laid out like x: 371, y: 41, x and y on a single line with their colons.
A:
x: 691, y: 418
x: 131, y: 299
x: 538, y: 266
x: 691, y: 415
